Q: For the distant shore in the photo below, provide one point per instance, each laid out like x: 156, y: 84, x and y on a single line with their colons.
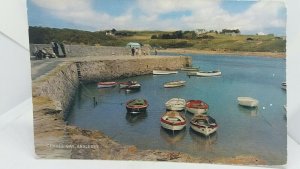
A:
x: 194, y: 51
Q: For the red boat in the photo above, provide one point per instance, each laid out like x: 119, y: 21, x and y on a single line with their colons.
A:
x: 196, y: 106
x: 106, y: 84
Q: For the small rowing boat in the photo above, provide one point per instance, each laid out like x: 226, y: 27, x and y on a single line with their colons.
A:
x: 196, y: 106
x: 174, y: 84
x: 124, y: 85
x: 163, y: 72
x: 190, y: 69
x: 247, y: 101
x: 204, y: 124
x: 106, y: 84
x: 176, y: 104
x: 205, y: 73
x: 283, y: 85
x: 135, y: 106
x: 173, y: 120
x: 131, y: 85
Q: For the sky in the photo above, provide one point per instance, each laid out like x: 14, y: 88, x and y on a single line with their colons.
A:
x: 250, y: 17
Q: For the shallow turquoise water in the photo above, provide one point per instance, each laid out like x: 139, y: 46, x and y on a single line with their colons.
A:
x: 242, y: 131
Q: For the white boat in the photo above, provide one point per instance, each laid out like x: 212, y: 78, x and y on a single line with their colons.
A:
x: 173, y: 120
x: 190, y: 69
x: 124, y: 85
x: 283, y: 85
x: 204, y: 124
x: 106, y: 84
x: 177, y: 104
x: 196, y: 106
x: 205, y: 73
x: 174, y: 84
x: 163, y: 72
x: 247, y: 101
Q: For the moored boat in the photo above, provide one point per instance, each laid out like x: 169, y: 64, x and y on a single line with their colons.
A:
x: 174, y: 84
x: 190, y: 69
x: 283, y: 85
x: 173, y: 120
x: 247, y: 101
x: 124, y: 85
x: 177, y: 104
x: 204, y: 124
x: 196, y: 106
x: 134, y: 87
x: 163, y: 72
x: 106, y: 84
x: 136, y: 106
x: 205, y: 73
x: 130, y: 85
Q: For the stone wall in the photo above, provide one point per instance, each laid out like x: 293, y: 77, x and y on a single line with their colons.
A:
x: 111, y: 69
x: 84, y: 50
x: 59, y: 86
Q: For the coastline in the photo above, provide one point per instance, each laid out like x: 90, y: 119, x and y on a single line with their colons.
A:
x: 232, y: 53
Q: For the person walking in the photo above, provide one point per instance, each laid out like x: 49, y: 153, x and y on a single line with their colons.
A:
x: 132, y: 51
x: 155, y: 51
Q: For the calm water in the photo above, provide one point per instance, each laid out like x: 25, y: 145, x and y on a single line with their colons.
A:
x: 242, y: 131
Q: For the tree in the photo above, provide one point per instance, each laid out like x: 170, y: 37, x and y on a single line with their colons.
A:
x: 154, y: 37
x: 178, y: 35
x: 113, y: 31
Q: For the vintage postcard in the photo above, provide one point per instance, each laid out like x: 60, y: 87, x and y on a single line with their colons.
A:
x: 176, y: 81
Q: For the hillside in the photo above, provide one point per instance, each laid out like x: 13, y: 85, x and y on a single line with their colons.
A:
x: 212, y: 41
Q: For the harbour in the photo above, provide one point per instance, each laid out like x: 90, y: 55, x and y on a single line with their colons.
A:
x: 242, y: 130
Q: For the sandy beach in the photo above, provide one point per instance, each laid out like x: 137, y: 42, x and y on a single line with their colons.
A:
x: 194, y: 51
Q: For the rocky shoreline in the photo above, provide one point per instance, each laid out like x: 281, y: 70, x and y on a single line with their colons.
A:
x: 54, y: 138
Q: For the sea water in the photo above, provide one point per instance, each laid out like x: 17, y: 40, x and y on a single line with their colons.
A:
x: 258, y: 132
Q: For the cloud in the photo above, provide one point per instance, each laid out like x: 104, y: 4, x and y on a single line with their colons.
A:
x: 145, y: 14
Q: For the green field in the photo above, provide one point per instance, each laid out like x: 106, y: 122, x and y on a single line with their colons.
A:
x: 208, y: 41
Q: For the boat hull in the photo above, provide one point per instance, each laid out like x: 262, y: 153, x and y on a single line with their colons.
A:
x: 162, y: 72
x: 205, y: 74
x: 106, y: 84
x: 175, y: 108
x: 132, y: 84
x: 134, y: 87
x: 172, y: 127
x: 190, y: 69
x: 174, y: 84
x: 283, y: 85
x: 247, y: 102
x: 204, y: 130
x: 196, y: 111
x: 134, y: 108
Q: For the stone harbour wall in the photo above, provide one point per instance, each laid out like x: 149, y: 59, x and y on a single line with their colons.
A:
x: 110, y: 69
x: 59, y: 85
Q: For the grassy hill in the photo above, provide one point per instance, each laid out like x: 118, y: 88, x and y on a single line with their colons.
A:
x: 208, y: 41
